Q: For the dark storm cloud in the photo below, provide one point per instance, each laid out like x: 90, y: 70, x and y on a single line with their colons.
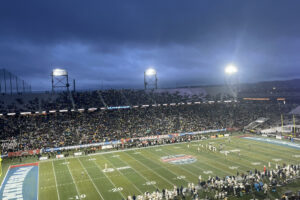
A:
x: 111, y: 43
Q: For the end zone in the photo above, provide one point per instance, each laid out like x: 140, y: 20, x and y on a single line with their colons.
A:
x: 20, y: 182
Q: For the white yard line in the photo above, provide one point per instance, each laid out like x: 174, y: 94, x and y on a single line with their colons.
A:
x: 152, y: 170
x: 90, y: 179
x: 55, y: 180
x: 108, y: 178
x: 73, y: 180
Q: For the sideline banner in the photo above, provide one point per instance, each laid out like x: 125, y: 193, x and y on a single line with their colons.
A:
x: 23, y: 153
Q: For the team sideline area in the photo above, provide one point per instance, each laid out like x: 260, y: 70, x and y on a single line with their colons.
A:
x: 169, y: 171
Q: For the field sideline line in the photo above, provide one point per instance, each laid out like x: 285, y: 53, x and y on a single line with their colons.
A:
x: 152, y: 170
x: 55, y: 181
x: 73, y: 180
x: 107, y: 177
x: 123, y: 175
x: 90, y: 178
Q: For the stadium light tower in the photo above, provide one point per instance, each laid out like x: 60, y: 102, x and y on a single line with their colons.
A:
x: 231, y: 80
x: 150, y: 79
x: 60, y: 79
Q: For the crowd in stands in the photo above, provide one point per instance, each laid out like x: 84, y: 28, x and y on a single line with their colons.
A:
x: 22, y: 132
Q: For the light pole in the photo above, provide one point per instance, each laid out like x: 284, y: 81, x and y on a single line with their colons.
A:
x: 150, y: 79
x: 231, y: 80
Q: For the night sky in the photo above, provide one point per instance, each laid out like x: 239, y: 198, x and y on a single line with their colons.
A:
x: 111, y: 43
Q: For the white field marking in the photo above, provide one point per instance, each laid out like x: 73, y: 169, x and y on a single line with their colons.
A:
x: 116, y: 189
x: 125, y: 167
x: 73, y: 181
x: 152, y: 170
x: 207, y: 172
x: 224, y: 152
x: 136, y: 170
x: 158, y: 149
x: 115, y: 156
x: 108, y: 170
x: 233, y: 167
x: 235, y: 150
x: 138, y: 152
x: 276, y: 159
x: 132, y: 149
x: 296, y: 156
x: 90, y: 178
x: 55, y: 181
x: 180, y: 177
x: 177, y: 147
x: 150, y: 183
x: 91, y: 159
x: 65, y: 163
x: 125, y: 176
x: 255, y: 163
x: 107, y: 177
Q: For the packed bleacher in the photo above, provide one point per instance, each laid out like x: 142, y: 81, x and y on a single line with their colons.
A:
x: 22, y: 132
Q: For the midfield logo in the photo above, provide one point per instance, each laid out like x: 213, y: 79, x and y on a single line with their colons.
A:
x: 179, y: 159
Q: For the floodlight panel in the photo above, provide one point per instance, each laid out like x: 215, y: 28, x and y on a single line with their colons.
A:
x: 231, y: 69
x: 59, y: 72
x: 150, y: 72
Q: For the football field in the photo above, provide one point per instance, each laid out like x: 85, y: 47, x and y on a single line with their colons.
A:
x: 116, y: 175
x: 119, y: 174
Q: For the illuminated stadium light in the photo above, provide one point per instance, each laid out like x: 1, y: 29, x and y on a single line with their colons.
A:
x: 150, y: 79
x: 11, y: 114
x: 231, y: 69
x: 25, y: 113
x: 150, y: 72
x: 59, y: 72
x: 52, y: 111
x: 63, y: 110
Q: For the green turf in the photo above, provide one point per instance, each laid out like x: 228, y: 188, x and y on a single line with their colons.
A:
x: 83, y: 177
